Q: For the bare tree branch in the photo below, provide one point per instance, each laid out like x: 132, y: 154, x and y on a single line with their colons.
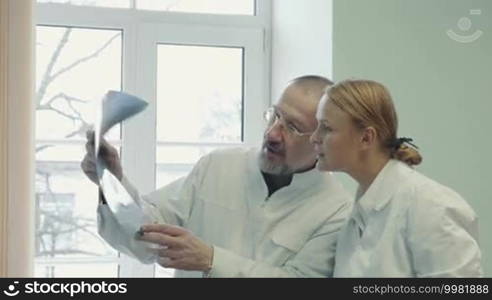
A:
x: 86, y: 58
x: 47, y: 74
x: 42, y: 147
x: 70, y: 101
x: 61, y: 95
x: 59, y: 112
x: 80, y: 131
x: 75, y: 116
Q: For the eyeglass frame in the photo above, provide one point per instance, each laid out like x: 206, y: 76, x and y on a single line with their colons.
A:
x: 272, y: 115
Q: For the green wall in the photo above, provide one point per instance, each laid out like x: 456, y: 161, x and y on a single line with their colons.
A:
x: 442, y: 88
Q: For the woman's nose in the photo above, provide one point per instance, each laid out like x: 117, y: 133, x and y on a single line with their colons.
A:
x: 314, y: 138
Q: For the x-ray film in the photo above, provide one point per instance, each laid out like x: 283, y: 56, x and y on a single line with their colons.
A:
x: 115, y: 108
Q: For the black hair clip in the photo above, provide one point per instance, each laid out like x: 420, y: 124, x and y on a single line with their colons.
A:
x: 399, y: 141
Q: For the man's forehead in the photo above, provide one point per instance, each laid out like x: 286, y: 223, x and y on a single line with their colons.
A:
x: 320, y: 113
x: 297, y: 104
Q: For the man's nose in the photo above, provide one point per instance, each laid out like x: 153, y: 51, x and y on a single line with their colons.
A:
x: 274, y: 132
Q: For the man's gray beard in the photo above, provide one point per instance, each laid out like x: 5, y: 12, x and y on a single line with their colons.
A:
x: 269, y: 167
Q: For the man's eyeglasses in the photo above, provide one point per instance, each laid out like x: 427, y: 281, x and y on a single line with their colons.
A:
x: 272, y: 115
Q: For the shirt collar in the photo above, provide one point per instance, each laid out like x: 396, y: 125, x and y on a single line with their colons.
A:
x: 386, y: 183
x: 309, y: 178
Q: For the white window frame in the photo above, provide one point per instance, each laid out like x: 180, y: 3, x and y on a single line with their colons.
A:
x: 141, y: 30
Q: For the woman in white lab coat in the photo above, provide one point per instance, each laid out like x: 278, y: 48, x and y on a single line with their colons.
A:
x: 403, y: 224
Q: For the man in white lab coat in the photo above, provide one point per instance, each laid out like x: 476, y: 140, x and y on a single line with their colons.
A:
x: 242, y: 212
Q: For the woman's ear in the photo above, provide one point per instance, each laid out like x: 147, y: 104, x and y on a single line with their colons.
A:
x: 368, y: 137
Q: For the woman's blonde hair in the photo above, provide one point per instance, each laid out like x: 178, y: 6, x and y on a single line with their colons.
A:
x: 369, y: 103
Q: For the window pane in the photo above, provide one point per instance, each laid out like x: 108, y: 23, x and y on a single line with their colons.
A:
x: 75, y: 68
x: 199, y: 93
x: 236, y: 7
x: 199, y: 99
x: 105, y: 3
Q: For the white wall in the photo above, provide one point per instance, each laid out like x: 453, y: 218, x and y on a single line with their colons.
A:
x: 301, y: 41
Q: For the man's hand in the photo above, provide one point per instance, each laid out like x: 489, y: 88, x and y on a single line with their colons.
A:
x: 107, y: 152
x: 180, y: 248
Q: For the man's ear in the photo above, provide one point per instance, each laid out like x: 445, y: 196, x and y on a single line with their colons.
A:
x: 368, y: 137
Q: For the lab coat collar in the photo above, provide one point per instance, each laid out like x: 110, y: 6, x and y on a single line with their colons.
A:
x: 386, y: 183
x: 309, y: 178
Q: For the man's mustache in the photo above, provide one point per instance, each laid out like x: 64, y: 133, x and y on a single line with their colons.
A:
x: 274, y: 147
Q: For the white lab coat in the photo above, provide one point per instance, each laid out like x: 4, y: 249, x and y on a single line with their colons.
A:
x: 224, y: 201
x: 407, y: 225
